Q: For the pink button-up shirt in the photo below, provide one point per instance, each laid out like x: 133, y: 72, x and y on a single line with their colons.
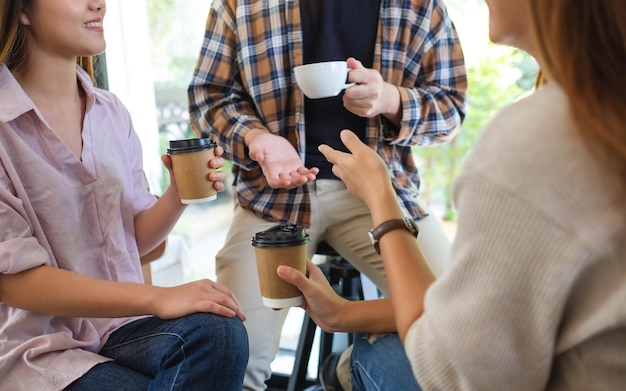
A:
x: 68, y: 213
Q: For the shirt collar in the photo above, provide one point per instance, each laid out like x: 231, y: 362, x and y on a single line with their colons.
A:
x: 13, y: 100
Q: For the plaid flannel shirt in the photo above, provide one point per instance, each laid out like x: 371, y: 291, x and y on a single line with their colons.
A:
x: 244, y: 80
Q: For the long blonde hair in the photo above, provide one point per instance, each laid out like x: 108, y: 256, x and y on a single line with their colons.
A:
x: 14, y: 37
x: 583, y: 45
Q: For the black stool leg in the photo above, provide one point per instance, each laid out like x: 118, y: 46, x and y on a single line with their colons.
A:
x: 326, y: 346
x: 297, y: 380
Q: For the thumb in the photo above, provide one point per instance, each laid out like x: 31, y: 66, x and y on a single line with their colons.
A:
x: 353, y: 63
x: 167, y: 163
x: 327, y: 151
x: 291, y: 275
x: 257, y: 156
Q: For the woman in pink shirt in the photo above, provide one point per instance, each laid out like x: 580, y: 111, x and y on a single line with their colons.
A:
x: 76, y: 214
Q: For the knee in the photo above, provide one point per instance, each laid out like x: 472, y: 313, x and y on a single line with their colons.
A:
x: 215, y: 333
x: 236, y: 335
x: 233, y: 344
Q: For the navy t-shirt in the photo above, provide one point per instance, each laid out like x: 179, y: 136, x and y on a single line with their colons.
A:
x: 335, y: 30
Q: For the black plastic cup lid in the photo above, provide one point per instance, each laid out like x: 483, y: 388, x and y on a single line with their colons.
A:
x: 190, y: 145
x: 284, y: 235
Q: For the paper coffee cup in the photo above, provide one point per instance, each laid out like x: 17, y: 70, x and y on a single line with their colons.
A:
x: 190, y: 159
x: 280, y: 245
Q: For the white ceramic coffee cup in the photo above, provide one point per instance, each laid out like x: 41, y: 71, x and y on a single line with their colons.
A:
x: 322, y: 79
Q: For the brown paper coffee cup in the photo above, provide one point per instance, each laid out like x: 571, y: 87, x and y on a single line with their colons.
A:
x: 190, y: 165
x: 281, y: 245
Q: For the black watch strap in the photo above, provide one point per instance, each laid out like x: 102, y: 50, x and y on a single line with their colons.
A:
x: 406, y: 223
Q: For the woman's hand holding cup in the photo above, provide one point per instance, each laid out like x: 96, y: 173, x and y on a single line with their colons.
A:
x: 193, y: 166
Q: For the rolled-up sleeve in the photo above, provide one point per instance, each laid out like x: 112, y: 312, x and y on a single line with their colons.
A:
x: 434, y: 107
x: 21, y: 254
x: 19, y: 248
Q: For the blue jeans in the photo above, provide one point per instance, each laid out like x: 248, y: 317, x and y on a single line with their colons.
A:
x: 197, y: 352
x: 380, y: 364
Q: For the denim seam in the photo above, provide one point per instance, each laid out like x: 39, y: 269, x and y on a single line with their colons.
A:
x: 364, y: 372
x: 157, y: 335
x: 142, y: 338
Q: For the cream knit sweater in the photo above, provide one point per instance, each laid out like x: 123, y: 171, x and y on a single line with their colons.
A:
x: 535, y: 297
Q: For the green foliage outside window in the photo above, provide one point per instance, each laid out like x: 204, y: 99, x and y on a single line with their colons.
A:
x: 493, y: 83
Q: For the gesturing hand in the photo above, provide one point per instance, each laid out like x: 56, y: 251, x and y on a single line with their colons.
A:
x: 279, y: 161
x: 352, y: 168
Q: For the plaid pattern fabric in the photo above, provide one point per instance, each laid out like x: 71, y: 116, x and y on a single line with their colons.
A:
x: 244, y: 80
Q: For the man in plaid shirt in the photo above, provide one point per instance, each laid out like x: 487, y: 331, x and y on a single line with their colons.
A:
x: 410, y: 89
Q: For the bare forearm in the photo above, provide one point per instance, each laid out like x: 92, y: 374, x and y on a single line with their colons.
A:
x: 367, y: 316
x: 408, y: 274
x: 409, y: 277
x: 407, y: 271
x: 154, y: 224
x: 60, y: 292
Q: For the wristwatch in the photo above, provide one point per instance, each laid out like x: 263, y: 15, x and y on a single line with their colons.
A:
x: 406, y: 223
